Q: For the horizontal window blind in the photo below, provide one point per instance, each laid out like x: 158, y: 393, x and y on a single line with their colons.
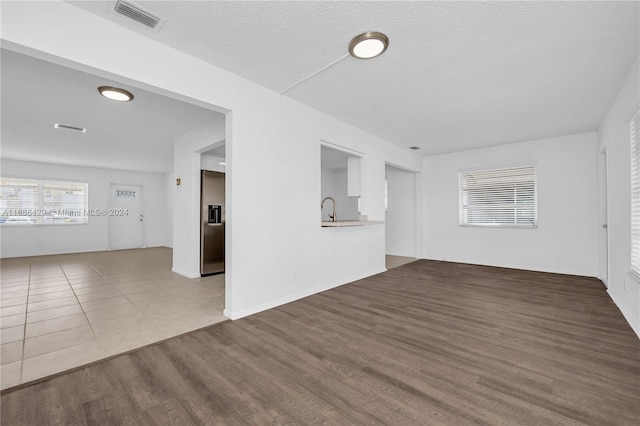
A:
x: 499, y: 197
x: 34, y: 201
x: 635, y: 193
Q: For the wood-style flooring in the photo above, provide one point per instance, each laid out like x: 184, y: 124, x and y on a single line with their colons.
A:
x: 425, y: 343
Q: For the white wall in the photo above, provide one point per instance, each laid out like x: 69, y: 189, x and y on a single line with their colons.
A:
x: 212, y: 164
x: 170, y: 187
x: 566, y: 239
x: 52, y: 239
x: 614, y: 137
x: 400, y: 222
x: 319, y: 257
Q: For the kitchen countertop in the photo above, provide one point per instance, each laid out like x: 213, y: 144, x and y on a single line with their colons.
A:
x: 346, y: 223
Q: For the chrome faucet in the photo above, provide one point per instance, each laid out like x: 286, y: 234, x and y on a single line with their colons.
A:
x: 332, y: 217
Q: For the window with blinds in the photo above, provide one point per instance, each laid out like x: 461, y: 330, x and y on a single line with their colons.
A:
x: 499, y: 197
x: 635, y: 193
x: 33, y: 201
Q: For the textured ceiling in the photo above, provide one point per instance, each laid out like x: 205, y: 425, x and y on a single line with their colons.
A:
x: 137, y: 135
x: 457, y: 75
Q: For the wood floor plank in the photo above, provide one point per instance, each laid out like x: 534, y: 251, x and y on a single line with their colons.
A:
x: 424, y: 343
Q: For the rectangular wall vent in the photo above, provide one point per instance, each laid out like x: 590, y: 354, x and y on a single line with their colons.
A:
x: 138, y: 14
x: 66, y: 127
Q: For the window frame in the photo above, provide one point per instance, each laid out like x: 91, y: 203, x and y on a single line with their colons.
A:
x: 41, y: 182
x: 634, y: 193
x: 461, y: 209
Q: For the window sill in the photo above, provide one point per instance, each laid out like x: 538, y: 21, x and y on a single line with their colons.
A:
x: 466, y: 225
x: 37, y: 225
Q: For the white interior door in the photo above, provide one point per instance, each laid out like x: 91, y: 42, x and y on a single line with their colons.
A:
x: 126, y: 218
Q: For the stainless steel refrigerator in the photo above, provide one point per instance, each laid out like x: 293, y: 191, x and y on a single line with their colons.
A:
x: 212, y: 220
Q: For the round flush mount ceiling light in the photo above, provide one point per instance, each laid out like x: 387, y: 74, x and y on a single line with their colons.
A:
x: 115, y: 93
x: 368, y: 45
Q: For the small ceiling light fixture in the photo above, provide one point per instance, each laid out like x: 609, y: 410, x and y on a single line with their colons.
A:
x: 364, y: 46
x: 414, y: 148
x: 368, y: 45
x: 115, y: 93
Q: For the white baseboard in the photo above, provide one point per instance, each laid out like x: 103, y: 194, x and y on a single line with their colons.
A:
x: 631, y: 319
x: 186, y: 274
x: 234, y: 315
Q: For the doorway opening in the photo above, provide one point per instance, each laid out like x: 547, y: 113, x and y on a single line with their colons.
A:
x: 340, y: 182
x: 604, y: 231
x: 213, y: 211
x: 400, y: 216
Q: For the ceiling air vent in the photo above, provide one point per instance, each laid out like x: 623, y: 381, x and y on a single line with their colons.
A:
x: 138, y: 14
x: 73, y: 128
x: 414, y: 147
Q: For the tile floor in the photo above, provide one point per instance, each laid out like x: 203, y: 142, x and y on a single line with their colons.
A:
x: 62, y: 311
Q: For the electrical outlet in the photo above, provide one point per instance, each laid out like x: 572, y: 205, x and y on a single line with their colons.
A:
x: 295, y: 275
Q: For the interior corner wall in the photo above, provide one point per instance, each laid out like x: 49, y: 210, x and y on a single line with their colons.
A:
x: 566, y: 238
x: 400, y: 218
x: 614, y: 137
x: 36, y: 240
